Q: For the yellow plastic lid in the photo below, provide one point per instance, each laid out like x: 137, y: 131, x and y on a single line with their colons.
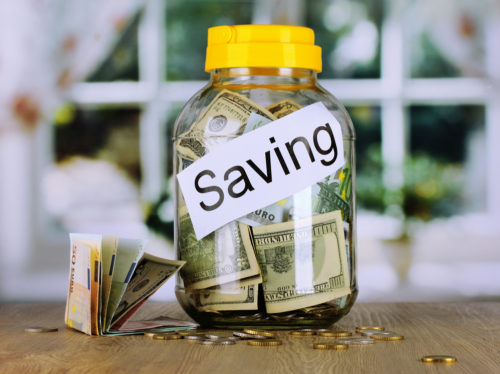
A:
x: 262, y: 46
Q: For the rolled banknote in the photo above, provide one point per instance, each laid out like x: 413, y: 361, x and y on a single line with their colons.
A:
x: 224, y: 119
x: 223, y: 256
x: 283, y: 108
x: 303, y: 262
x: 239, y: 295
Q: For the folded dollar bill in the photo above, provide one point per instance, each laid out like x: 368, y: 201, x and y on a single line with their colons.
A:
x: 109, y: 280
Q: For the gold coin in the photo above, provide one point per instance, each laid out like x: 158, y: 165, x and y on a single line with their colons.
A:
x: 267, y: 334
x: 303, y: 332
x: 361, y: 328
x: 264, y: 343
x: 167, y: 337
x: 334, y: 333
x: 387, y: 337
x: 150, y: 335
x: 186, y: 332
x: 35, y: 329
x: 439, y: 358
x: 335, y: 346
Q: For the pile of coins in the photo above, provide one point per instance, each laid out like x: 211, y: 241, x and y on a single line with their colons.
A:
x: 266, y: 338
x: 343, y: 339
x: 253, y: 337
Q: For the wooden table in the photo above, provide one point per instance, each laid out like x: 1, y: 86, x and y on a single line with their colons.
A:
x: 468, y: 331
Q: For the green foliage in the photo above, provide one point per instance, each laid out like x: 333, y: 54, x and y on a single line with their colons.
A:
x: 431, y: 188
x: 187, y: 25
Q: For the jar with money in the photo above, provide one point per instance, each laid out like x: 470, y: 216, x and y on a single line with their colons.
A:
x: 264, y: 165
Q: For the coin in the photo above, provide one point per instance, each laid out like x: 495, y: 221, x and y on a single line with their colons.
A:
x: 355, y: 341
x: 371, y: 332
x: 286, y: 317
x: 361, y: 328
x: 225, y: 341
x: 334, y: 346
x: 252, y: 316
x: 303, y: 332
x: 439, y: 359
x: 244, y: 335
x: 389, y: 337
x: 40, y: 329
x: 218, y: 337
x: 334, y: 333
x: 268, y: 334
x: 193, y: 337
x: 208, y: 342
x: 264, y: 343
x: 186, y: 332
x: 167, y: 337
x: 150, y: 334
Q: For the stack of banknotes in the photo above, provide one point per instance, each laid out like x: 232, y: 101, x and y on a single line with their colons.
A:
x: 295, y: 251
x: 109, y: 280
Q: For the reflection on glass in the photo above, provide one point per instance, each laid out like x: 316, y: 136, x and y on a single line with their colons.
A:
x: 446, y: 38
x: 187, y: 24
x: 349, y: 33
x: 161, y: 212
x: 369, y: 187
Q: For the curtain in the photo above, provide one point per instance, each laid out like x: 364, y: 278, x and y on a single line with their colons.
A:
x: 48, y: 45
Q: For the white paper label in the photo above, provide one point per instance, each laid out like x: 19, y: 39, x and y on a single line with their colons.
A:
x: 262, y: 167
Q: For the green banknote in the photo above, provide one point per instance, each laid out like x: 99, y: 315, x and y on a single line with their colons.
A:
x: 224, y: 256
x: 303, y: 263
x: 224, y: 119
x: 239, y: 295
x: 151, y: 272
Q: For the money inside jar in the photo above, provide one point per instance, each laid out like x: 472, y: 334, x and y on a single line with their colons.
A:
x: 289, y: 262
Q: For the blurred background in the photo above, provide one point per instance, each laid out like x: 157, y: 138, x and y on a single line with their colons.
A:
x: 89, y: 91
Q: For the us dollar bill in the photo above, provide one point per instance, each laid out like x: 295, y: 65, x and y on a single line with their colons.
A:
x: 303, y: 263
x: 239, y: 295
x: 334, y: 193
x: 182, y: 163
x: 224, y: 256
x: 283, y: 108
x: 223, y: 119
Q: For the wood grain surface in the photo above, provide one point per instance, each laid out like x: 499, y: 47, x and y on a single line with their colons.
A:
x: 468, y: 331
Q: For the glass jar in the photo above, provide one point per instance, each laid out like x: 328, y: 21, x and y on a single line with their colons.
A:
x: 289, y: 264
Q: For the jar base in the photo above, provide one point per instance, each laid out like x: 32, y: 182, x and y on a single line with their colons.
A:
x: 321, y: 316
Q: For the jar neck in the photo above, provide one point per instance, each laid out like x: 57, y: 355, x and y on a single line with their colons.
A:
x: 251, y: 77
